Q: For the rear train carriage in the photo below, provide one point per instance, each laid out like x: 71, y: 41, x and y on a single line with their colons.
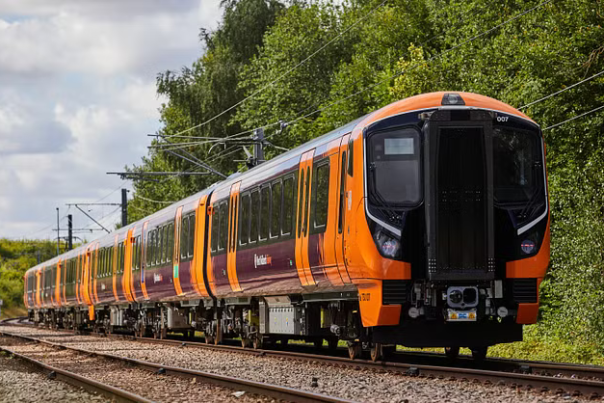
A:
x: 425, y: 223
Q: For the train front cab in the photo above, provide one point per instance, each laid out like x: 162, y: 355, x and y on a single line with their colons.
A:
x: 454, y: 195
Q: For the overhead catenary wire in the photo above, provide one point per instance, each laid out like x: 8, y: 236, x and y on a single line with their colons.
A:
x: 553, y: 94
x: 574, y: 118
x: 155, y: 201
x: 270, y: 84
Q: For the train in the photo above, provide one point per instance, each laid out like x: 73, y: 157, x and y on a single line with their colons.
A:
x: 425, y: 223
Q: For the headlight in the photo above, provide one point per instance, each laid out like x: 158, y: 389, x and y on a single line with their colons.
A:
x: 387, y: 245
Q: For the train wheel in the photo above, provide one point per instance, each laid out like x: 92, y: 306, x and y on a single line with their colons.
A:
x: 209, y: 338
x: 332, y: 343
x: 318, y: 343
x: 479, y: 353
x: 245, y: 342
x: 354, y: 350
x: 257, y: 342
x: 376, y: 351
x: 452, y: 352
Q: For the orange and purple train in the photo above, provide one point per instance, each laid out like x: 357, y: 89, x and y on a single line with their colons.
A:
x: 424, y: 223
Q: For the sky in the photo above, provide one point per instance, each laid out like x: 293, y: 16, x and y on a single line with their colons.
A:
x: 78, y: 98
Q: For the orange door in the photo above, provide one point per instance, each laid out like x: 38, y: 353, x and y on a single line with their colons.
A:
x: 232, y: 237
x: 57, y: 281
x: 127, y: 274
x: 199, y: 248
x: 304, y: 191
x: 342, y: 167
x: 176, y: 252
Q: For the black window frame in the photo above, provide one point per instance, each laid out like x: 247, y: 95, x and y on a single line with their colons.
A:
x: 292, y: 205
x: 276, y: 227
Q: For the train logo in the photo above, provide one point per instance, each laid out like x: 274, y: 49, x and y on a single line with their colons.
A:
x: 262, y: 260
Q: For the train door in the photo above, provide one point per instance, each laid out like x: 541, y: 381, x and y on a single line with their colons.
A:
x: 176, y: 252
x: 58, y: 283
x: 144, y: 250
x: 113, y: 268
x: 304, y: 180
x: 126, y: 266
x: 85, y: 276
x: 94, y: 275
x: 38, y: 285
x: 198, y: 228
x: 51, y: 283
x: 341, y: 209
x: 78, y: 262
x: 232, y: 237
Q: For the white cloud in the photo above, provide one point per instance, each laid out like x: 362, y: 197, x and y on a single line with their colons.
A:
x: 77, y: 98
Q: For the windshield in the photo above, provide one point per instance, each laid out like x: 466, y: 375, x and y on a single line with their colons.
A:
x: 518, y: 167
x: 394, y: 168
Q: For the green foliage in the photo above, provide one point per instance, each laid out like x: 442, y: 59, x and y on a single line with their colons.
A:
x: 16, y: 257
x: 400, y: 49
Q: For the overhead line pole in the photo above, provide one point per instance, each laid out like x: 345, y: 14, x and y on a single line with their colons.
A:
x: 124, y: 207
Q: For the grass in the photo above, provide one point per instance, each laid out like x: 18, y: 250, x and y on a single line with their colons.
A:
x: 13, y: 312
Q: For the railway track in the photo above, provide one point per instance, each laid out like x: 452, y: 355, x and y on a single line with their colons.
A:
x: 572, y: 379
x: 110, y: 392
x: 256, y: 388
x: 568, y: 379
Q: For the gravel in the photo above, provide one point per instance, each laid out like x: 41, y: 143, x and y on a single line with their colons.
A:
x: 155, y: 387
x: 360, y: 385
x: 19, y: 384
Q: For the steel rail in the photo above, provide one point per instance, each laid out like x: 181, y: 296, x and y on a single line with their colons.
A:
x: 527, y: 377
x: 110, y: 392
x: 530, y: 374
x: 258, y: 388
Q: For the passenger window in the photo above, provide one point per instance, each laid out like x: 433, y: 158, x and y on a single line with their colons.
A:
x: 184, y: 237
x: 350, y: 155
x: 276, y: 210
x: 321, y: 192
x: 191, y: 235
x: 244, y: 219
x: 306, y: 198
x: 301, y: 201
x: 170, y: 248
x: 342, y: 193
x: 288, y: 205
x: 215, y: 226
x: 224, y: 225
x: 254, y: 214
x: 264, y: 213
